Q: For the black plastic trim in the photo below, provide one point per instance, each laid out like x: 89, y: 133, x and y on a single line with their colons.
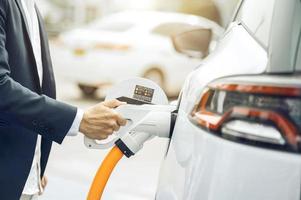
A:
x: 132, y: 101
x: 173, y: 119
x: 125, y: 150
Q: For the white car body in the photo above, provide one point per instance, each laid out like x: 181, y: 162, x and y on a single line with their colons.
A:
x: 124, y: 45
x: 202, y: 166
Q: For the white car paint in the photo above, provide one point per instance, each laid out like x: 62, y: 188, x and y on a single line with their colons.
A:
x: 146, y: 49
x: 201, y: 166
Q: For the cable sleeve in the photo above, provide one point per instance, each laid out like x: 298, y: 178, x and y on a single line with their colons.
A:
x: 103, y: 174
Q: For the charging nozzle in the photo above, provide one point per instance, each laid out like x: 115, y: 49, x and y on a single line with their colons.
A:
x: 150, y: 116
x: 157, y: 122
x: 143, y: 122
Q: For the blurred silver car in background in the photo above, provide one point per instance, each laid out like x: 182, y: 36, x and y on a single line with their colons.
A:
x: 238, y: 131
x: 130, y: 44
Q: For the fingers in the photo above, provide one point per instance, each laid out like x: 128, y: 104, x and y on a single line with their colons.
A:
x: 102, y: 120
x: 120, y: 120
x: 101, y: 132
x: 113, y: 103
x: 115, y: 127
x: 44, y: 182
x: 112, y: 124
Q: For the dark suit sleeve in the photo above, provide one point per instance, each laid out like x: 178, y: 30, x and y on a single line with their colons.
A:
x: 41, y: 114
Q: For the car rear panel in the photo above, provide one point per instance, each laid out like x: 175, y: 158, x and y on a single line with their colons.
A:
x: 203, y: 166
x: 200, y: 165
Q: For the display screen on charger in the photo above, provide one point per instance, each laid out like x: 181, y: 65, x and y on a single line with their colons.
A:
x: 143, y: 93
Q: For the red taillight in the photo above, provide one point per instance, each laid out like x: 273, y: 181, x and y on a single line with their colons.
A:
x: 258, y: 89
x: 253, y: 113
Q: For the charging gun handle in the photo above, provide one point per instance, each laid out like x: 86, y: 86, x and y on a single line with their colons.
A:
x: 131, y: 114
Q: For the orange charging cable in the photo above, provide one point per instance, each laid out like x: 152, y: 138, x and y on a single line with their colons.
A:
x: 103, y: 174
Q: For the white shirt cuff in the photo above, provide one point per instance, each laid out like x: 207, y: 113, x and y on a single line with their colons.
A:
x: 73, y: 131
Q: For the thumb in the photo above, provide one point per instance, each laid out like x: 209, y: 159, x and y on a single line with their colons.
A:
x: 113, y: 103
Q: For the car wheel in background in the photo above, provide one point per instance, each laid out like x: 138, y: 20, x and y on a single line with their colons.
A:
x: 87, y: 90
x: 155, y: 74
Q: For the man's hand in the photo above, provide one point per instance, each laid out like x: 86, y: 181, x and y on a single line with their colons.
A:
x: 44, y: 182
x: 101, y: 120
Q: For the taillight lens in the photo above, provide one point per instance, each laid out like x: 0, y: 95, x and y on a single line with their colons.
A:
x: 256, y: 114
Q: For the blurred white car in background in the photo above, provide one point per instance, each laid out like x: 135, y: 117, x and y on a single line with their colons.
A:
x: 129, y: 44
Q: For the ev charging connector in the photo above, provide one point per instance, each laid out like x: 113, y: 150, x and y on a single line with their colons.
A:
x: 148, y: 115
x: 156, y: 121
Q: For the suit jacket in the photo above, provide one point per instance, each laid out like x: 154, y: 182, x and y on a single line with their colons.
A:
x: 26, y: 108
